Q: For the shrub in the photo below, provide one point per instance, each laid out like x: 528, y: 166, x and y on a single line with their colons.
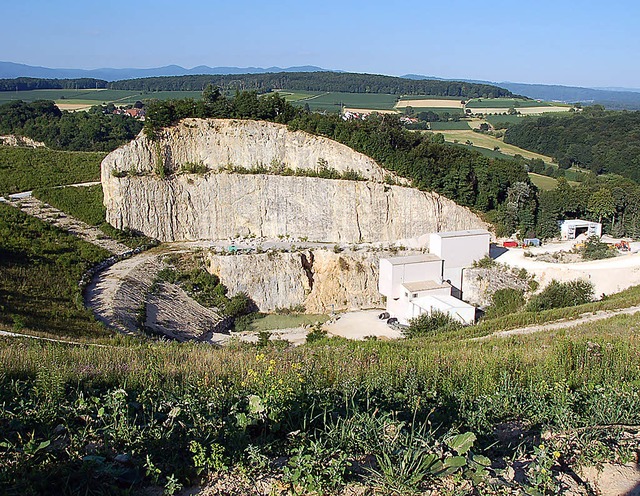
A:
x: 562, y: 294
x: 429, y: 324
x: 505, y: 301
x: 594, y: 249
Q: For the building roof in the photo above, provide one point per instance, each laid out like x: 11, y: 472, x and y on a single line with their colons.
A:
x: 414, y: 287
x: 443, y: 302
x: 460, y: 234
x: 411, y: 259
x: 577, y: 222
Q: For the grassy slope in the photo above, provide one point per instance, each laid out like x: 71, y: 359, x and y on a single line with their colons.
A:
x: 40, y: 267
x: 23, y: 169
x: 85, y: 204
x: 155, y: 401
x: 545, y: 183
x: 489, y: 142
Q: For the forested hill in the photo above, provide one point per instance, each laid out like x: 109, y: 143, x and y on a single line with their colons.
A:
x: 27, y: 83
x: 599, y: 140
x: 315, y: 81
x: 305, y: 81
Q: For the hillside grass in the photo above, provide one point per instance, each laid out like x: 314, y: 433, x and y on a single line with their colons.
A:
x: 544, y: 183
x: 40, y: 267
x: 191, y: 411
x: 23, y: 169
x: 489, y: 142
x: 85, y: 203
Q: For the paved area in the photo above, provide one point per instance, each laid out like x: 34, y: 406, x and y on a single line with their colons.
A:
x: 358, y: 325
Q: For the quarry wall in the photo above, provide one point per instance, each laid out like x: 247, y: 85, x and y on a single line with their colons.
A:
x: 219, y: 204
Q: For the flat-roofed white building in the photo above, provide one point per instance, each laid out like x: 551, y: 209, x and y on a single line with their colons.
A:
x: 459, y: 249
x: 572, y: 228
x: 419, y: 284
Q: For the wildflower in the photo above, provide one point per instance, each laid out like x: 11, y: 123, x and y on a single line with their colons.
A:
x: 556, y: 454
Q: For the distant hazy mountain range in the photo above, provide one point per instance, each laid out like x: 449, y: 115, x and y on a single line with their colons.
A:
x: 10, y: 70
x: 611, y: 97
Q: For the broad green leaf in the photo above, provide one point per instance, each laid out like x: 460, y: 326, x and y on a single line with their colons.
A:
x: 461, y: 443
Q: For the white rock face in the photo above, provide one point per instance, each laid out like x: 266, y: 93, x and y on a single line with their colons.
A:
x: 217, y: 204
x: 218, y: 143
x: 320, y: 280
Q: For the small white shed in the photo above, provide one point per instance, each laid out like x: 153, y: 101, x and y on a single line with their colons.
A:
x: 572, y: 228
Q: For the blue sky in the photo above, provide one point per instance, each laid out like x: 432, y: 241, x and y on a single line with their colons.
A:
x: 584, y: 43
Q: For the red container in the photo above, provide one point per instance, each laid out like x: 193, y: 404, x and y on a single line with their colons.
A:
x: 510, y: 244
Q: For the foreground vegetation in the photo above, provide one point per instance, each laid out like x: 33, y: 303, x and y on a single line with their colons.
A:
x: 103, y: 421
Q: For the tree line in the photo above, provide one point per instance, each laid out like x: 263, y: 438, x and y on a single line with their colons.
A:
x: 611, y: 199
x: 26, y: 83
x: 264, y: 83
x: 43, y: 121
x: 594, y: 139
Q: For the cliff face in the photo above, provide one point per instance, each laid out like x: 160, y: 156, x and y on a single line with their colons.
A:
x: 218, y: 143
x: 222, y: 205
x: 320, y: 280
x: 218, y: 204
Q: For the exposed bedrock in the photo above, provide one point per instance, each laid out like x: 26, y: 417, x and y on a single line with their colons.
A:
x: 219, y: 204
x: 222, y: 205
x: 320, y: 280
x: 218, y: 143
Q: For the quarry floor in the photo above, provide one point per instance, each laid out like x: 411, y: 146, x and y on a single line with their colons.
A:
x: 608, y: 276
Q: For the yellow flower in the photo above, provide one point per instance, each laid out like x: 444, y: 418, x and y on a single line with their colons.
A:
x: 556, y: 454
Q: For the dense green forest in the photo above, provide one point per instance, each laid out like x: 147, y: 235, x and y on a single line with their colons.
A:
x: 315, y: 81
x: 602, y: 141
x: 307, y: 81
x: 80, y: 131
x: 27, y: 83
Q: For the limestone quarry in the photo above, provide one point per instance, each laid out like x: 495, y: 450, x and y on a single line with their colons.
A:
x: 145, y: 190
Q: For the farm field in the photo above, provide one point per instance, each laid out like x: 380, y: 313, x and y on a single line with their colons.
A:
x: 489, y: 142
x: 436, y: 110
x: 450, y: 126
x: 508, y: 119
x: 545, y: 183
x: 334, y: 101
x: 429, y: 102
x: 80, y: 99
x: 505, y: 102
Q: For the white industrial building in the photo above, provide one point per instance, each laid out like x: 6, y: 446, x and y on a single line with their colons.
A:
x: 571, y: 229
x: 419, y: 284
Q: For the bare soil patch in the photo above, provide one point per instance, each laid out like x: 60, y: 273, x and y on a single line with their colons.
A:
x: 430, y: 103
